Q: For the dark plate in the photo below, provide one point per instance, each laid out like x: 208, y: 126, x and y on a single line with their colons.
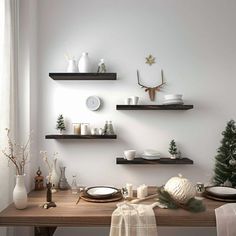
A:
x: 221, y: 192
x: 218, y: 198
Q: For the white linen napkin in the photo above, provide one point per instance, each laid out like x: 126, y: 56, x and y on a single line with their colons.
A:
x: 226, y: 220
x: 133, y: 220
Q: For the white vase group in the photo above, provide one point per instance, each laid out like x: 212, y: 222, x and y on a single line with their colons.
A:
x: 84, y: 64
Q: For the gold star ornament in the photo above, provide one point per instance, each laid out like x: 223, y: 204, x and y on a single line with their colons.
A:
x: 150, y: 60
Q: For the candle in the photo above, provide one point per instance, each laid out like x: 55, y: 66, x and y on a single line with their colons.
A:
x: 84, y: 129
x: 129, y: 188
x: 142, y: 191
x: 145, y: 190
x: 76, y: 128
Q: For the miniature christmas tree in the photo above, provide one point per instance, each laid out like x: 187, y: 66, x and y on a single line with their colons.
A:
x: 60, y: 123
x: 225, y: 165
x: 173, y: 149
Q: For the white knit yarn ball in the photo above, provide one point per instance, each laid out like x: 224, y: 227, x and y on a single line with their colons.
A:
x: 180, y: 189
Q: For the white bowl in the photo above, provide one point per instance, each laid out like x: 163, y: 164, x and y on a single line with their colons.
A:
x: 173, y: 96
x: 129, y: 154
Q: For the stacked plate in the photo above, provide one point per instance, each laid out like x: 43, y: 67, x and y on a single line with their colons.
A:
x: 151, y: 154
x: 226, y: 194
x: 101, y: 194
x: 173, y: 99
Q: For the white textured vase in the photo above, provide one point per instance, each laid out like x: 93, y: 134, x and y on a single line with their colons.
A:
x: 54, y: 175
x: 20, y: 197
x: 71, y: 67
x: 85, y: 65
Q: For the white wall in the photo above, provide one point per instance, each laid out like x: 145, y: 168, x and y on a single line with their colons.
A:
x: 193, y: 41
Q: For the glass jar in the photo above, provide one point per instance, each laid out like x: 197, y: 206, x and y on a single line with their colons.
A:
x: 84, y: 129
x: 77, y: 128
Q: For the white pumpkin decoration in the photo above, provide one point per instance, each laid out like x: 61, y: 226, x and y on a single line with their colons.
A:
x: 180, y: 189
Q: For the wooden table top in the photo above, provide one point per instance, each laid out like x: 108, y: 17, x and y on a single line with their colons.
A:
x: 67, y: 213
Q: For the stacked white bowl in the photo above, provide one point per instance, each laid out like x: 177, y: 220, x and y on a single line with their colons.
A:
x: 172, y: 99
x: 151, y: 154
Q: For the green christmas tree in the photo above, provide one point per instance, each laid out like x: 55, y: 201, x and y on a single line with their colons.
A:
x: 225, y: 165
x: 60, y: 123
x: 173, y: 149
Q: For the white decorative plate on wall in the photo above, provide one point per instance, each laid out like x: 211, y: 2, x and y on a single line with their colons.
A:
x: 93, y: 103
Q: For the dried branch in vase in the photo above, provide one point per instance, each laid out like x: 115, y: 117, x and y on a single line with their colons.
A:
x: 48, y: 165
x: 17, y: 154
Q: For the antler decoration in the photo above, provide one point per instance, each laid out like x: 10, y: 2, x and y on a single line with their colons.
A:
x: 152, y: 90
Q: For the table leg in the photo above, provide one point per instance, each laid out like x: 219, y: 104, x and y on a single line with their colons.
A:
x: 44, y: 231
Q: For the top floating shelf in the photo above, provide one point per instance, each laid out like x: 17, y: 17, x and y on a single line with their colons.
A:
x: 154, y: 107
x: 83, y: 76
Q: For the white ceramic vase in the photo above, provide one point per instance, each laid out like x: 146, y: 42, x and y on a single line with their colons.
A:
x: 20, y: 197
x: 71, y: 67
x: 85, y: 65
x: 54, y: 175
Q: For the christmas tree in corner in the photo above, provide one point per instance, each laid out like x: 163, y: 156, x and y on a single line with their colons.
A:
x: 60, y: 123
x: 225, y: 165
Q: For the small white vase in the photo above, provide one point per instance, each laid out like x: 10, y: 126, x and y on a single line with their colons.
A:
x: 84, y: 65
x: 54, y: 175
x: 71, y: 67
x: 20, y: 197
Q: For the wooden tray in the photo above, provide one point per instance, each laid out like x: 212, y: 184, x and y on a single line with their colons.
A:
x: 113, y: 199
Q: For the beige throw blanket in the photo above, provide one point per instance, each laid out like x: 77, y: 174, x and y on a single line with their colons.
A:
x: 226, y: 220
x: 133, y: 220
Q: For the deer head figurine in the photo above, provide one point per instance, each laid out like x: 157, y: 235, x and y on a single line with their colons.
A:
x: 152, y: 90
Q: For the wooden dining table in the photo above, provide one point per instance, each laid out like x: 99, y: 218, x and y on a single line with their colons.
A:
x: 90, y: 214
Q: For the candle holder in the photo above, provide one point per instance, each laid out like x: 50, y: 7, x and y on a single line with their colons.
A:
x: 49, y: 202
x: 77, y: 128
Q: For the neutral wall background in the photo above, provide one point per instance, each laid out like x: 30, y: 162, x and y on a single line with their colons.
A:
x: 194, y: 43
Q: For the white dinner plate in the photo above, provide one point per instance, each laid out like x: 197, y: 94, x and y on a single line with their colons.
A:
x: 173, y: 102
x: 151, y: 157
x: 101, y: 191
x: 173, y: 96
x: 150, y: 152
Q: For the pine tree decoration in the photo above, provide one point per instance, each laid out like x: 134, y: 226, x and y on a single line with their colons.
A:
x: 60, y: 123
x: 173, y: 149
x: 225, y: 165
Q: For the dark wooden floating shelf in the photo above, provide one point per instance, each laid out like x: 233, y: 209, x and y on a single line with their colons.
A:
x: 154, y: 107
x: 142, y: 161
x: 75, y: 136
x: 83, y: 76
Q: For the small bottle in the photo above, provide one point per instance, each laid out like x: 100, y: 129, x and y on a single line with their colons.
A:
x: 105, y: 128
x: 110, y: 130
x: 101, y: 67
x: 74, y: 186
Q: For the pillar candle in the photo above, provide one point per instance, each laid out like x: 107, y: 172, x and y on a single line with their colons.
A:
x: 145, y: 190
x: 140, y: 192
x: 129, y: 188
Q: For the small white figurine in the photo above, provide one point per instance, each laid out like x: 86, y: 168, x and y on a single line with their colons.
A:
x: 101, y: 67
